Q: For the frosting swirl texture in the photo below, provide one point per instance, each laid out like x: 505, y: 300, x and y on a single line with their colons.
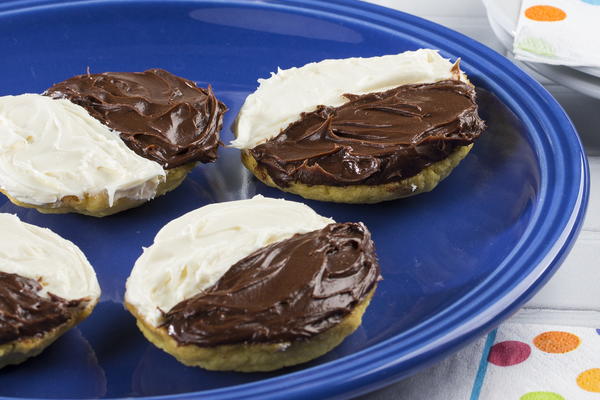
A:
x: 290, y: 290
x: 192, y: 252
x: 24, y: 313
x: 280, y: 99
x: 50, y: 149
x: 43, y: 256
x: 158, y: 115
x: 44, y: 280
x: 374, y: 138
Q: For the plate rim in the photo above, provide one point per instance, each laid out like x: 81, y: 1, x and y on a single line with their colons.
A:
x: 379, y: 365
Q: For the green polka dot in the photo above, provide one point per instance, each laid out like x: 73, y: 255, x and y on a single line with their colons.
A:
x: 542, y: 396
x: 537, y: 46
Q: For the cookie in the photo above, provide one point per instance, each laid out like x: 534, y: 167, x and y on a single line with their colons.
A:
x: 359, y: 130
x: 252, y: 285
x: 98, y: 144
x: 47, y: 286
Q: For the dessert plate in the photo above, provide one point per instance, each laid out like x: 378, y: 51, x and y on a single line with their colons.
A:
x: 455, y: 261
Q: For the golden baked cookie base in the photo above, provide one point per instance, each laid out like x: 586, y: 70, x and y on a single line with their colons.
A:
x: 97, y: 205
x: 424, y: 181
x: 254, y: 357
x: 17, y: 351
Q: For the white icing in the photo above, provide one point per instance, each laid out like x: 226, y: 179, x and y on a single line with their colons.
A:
x: 280, y: 99
x: 192, y: 252
x: 40, y: 254
x: 50, y: 149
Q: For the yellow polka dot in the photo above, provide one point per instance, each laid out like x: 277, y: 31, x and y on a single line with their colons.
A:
x: 556, y: 342
x: 545, y: 13
x: 590, y: 380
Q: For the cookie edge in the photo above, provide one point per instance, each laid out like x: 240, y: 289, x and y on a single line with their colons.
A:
x: 98, y: 206
x: 424, y: 181
x: 18, y: 351
x: 254, y: 357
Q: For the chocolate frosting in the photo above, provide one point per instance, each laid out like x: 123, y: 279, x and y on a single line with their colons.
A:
x: 374, y: 138
x: 290, y: 290
x: 160, y: 116
x: 24, y: 313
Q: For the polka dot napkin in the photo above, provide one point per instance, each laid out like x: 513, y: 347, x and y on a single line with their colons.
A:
x: 564, y: 32
x: 514, y: 362
x: 548, y: 363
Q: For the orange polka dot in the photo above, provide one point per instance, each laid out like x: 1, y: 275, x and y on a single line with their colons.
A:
x: 590, y: 380
x: 556, y: 342
x: 545, y: 13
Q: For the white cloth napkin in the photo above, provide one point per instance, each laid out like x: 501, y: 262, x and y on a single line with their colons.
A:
x: 560, y: 32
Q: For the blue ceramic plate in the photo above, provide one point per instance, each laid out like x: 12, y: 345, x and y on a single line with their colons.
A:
x: 455, y: 261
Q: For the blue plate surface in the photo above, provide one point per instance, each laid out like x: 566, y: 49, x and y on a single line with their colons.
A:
x: 455, y: 261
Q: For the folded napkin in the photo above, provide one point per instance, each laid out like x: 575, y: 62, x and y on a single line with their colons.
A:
x: 514, y: 362
x: 561, y: 32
